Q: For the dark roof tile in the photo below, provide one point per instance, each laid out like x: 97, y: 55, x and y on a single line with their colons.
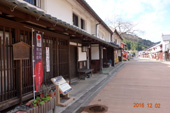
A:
x: 58, y: 21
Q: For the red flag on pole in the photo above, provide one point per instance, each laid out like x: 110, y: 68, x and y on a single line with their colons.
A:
x: 38, y: 64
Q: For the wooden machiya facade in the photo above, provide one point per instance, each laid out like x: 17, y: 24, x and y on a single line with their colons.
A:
x: 13, y: 32
x: 64, y: 43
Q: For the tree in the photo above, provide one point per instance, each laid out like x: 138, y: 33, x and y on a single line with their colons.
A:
x: 123, y: 27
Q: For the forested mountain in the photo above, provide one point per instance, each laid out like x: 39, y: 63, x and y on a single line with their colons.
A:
x: 134, y: 42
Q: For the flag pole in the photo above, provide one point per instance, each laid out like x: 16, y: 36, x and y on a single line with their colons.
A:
x: 33, y: 64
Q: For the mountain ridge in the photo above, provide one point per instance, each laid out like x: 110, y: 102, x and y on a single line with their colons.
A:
x: 135, y: 42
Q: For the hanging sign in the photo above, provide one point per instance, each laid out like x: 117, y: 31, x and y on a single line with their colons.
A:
x: 38, y: 64
x: 47, y: 59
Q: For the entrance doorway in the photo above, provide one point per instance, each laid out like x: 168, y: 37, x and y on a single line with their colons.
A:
x: 63, y: 58
x: 73, y: 62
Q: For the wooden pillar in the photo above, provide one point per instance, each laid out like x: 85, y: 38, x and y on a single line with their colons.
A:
x: 113, y: 62
x: 20, y: 79
x: 100, y: 58
x: 57, y: 95
x: 121, y: 56
x: 57, y: 47
x: 69, y: 74
x: 90, y: 56
x: 77, y: 58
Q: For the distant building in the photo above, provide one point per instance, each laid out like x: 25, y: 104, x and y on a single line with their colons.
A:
x: 117, y: 39
x: 155, y: 52
x: 124, y: 52
x: 166, y: 47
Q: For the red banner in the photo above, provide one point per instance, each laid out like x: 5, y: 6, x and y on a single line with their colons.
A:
x: 38, y: 64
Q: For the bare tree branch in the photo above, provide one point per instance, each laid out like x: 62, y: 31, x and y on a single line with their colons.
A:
x: 124, y: 27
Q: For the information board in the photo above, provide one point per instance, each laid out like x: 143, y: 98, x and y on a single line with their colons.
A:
x: 64, y: 87
x: 47, y: 59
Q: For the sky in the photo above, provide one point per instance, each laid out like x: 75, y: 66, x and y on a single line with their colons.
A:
x: 150, y: 16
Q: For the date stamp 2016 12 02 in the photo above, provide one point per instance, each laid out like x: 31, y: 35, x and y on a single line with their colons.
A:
x: 148, y: 105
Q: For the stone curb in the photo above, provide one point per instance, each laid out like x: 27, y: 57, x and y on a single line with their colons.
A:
x: 90, y: 88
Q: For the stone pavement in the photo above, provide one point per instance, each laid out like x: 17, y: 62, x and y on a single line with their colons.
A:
x: 142, y: 86
x: 84, y: 89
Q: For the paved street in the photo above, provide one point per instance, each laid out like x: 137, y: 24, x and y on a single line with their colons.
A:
x: 142, y: 86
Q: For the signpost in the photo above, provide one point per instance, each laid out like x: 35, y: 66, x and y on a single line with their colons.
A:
x: 21, y: 51
x: 63, y: 87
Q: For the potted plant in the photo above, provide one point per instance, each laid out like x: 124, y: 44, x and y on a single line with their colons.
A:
x: 43, y: 103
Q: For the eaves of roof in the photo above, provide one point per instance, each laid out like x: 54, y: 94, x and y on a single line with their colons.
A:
x: 32, y: 10
x: 166, y: 37
x: 118, y: 34
x: 115, y: 31
x: 118, y: 47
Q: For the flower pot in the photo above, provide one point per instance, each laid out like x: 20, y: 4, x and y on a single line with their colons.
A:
x: 48, y: 106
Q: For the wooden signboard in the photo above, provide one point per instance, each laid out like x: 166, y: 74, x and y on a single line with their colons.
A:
x: 21, y: 51
x: 63, y: 87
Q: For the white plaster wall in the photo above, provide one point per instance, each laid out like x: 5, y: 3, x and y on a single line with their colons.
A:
x: 93, y: 27
x: 103, y: 33
x: 82, y: 56
x: 95, y: 52
x: 64, y: 9
x: 107, y: 35
x: 115, y: 37
x: 164, y: 43
x: 60, y: 9
x: 88, y: 26
x: 156, y: 48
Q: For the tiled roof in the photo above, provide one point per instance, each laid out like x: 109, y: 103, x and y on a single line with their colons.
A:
x: 114, y: 30
x: 33, y: 10
x: 166, y: 37
x: 115, y: 45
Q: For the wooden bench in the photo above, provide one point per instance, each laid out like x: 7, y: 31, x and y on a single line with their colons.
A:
x: 83, y: 72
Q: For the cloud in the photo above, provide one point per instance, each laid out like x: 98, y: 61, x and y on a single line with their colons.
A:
x: 151, y: 16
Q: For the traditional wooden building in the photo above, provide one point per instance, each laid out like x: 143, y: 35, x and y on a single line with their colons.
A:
x: 166, y: 47
x: 117, y: 39
x: 124, y: 52
x: 154, y: 52
x: 75, y: 35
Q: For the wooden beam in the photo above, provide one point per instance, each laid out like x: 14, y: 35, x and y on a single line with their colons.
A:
x: 20, y: 79
x: 14, y: 101
x: 16, y: 13
x: 24, y: 17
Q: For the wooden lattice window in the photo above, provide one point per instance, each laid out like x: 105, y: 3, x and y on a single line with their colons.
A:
x: 7, y: 68
x: 75, y: 20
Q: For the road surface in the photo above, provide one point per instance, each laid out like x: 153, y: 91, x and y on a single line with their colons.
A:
x: 142, y: 86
